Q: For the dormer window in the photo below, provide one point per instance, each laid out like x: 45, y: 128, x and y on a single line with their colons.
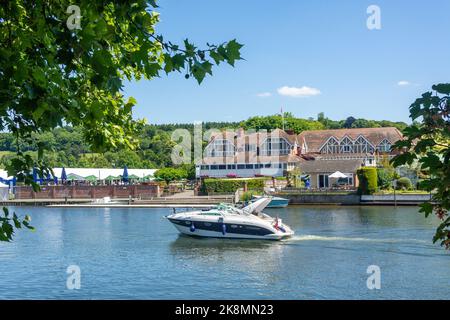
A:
x: 384, y: 146
x: 361, y: 145
x: 332, y: 146
x: 220, y: 148
x: 275, y: 146
x: 346, y: 145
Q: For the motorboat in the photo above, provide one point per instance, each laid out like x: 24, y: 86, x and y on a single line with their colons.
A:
x: 228, y: 221
x: 277, y: 202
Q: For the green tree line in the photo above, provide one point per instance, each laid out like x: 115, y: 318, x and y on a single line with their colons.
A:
x: 67, y: 147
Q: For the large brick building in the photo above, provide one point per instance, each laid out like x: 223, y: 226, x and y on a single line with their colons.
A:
x: 316, y: 153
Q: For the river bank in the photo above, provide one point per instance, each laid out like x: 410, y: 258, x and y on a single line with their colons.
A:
x: 207, y: 201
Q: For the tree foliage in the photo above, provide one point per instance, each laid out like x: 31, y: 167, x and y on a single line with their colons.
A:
x: 53, y: 75
x: 368, y: 180
x: 171, y: 174
x: 8, y: 223
x: 404, y: 183
x: 428, y: 143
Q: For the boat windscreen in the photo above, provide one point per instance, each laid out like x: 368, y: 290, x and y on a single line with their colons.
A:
x: 258, y: 205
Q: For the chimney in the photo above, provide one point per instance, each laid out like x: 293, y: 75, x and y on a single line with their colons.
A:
x: 240, y: 132
x: 290, y: 132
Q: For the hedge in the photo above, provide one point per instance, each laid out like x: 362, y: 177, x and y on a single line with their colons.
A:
x: 368, y: 180
x: 231, y: 185
x: 404, y: 183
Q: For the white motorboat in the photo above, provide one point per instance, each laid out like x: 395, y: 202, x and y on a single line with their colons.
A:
x: 227, y: 221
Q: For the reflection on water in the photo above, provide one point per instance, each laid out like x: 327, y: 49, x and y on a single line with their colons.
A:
x: 185, y: 242
x: 238, y: 254
x: 136, y: 253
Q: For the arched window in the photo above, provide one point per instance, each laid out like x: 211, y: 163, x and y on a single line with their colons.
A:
x: 384, y: 146
x: 346, y: 145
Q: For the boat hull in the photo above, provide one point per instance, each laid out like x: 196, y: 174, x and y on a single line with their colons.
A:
x: 233, y: 231
x: 278, y: 203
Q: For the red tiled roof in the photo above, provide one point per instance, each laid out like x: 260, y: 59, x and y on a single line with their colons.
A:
x: 255, y: 137
x: 316, y: 138
x: 329, y: 166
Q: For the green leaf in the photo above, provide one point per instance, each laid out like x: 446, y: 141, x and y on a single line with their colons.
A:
x: 168, y: 66
x: 233, y: 51
x: 443, y: 88
x: 426, y: 208
x: 39, y: 75
x: 216, y: 56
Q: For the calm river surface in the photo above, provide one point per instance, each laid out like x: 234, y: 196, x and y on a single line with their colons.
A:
x: 137, y: 254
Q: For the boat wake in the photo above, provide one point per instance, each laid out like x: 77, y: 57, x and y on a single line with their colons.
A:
x: 310, y: 237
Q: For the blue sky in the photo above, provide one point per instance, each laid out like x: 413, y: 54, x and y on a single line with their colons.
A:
x: 308, y: 46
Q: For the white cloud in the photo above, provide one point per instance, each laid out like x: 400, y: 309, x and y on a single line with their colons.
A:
x: 298, y: 91
x: 403, y: 83
x: 264, y: 94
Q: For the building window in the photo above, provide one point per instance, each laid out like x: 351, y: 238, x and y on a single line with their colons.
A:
x: 275, y: 146
x: 384, y: 146
x: 250, y: 148
x: 346, y: 145
x: 323, y: 181
x: 332, y: 146
x: 220, y: 148
x: 361, y: 145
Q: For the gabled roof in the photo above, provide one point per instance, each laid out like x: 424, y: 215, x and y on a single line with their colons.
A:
x: 329, y: 166
x: 316, y: 138
x: 254, y: 137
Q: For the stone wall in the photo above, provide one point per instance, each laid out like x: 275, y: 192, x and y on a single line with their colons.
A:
x: 323, y: 199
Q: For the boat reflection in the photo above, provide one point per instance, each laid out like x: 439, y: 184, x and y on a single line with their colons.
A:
x: 260, y: 258
x: 185, y: 242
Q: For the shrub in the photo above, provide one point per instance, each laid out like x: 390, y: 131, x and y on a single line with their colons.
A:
x: 385, y: 178
x: 368, y: 180
x: 231, y: 185
x: 170, y: 174
x: 247, y: 196
x: 404, y: 183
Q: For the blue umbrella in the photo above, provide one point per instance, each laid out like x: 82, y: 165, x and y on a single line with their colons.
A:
x: 35, y: 176
x: 307, y: 184
x: 49, y: 177
x: 125, y: 174
x: 63, y: 174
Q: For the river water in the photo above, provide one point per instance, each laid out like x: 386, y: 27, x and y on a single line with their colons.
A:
x: 137, y: 254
